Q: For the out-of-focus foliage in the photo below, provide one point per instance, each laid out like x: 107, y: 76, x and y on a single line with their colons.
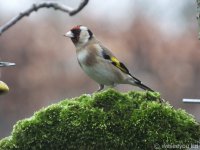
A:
x: 3, y: 88
x: 107, y: 120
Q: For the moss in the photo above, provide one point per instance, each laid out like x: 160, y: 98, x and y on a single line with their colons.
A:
x: 107, y: 120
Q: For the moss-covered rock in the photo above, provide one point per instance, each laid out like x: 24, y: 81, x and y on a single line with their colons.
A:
x: 107, y: 120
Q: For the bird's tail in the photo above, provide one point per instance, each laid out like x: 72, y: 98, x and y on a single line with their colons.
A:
x: 144, y: 87
x: 136, y: 82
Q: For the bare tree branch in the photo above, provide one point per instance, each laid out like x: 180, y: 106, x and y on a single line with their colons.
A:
x: 47, y: 4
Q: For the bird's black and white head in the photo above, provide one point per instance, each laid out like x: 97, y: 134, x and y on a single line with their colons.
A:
x: 80, y: 35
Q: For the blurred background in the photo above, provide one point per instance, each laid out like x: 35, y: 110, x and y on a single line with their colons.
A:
x: 156, y: 40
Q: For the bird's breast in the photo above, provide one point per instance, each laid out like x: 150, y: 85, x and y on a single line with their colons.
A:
x: 86, y: 58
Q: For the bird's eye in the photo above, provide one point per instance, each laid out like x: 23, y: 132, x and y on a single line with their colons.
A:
x: 76, y: 32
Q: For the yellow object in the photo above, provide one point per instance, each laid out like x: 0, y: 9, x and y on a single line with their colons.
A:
x: 119, y: 65
x: 3, y: 88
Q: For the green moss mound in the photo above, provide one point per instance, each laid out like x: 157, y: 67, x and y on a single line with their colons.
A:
x: 107, y: 120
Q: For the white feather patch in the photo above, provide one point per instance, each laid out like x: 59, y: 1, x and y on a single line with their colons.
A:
x: 83, y: 28
x: 82, y: 55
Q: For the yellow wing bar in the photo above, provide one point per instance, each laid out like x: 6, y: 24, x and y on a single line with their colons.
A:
x: 119, y: 65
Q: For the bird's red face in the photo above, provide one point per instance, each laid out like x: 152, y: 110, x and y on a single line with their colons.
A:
x: 79, y: 34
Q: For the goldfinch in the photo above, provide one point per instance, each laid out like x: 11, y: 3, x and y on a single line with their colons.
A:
x: 3, y: 86
x: 98, y: 62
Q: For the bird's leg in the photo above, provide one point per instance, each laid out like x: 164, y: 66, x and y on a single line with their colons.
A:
x: 101, y: 87
x: 113, y: 86
x: 161, y: 100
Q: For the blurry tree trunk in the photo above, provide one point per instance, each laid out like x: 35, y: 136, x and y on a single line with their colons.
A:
x: 198, y: 15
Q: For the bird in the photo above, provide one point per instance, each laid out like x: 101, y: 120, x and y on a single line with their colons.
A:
x: 3, y: 86
x: 98, y: 62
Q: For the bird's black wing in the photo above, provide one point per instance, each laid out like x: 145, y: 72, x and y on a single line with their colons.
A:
x: 109, y: 56
x: 112, y: 59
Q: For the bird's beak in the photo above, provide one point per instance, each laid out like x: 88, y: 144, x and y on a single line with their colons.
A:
x: 69, y: 34
x: 6, y: 64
